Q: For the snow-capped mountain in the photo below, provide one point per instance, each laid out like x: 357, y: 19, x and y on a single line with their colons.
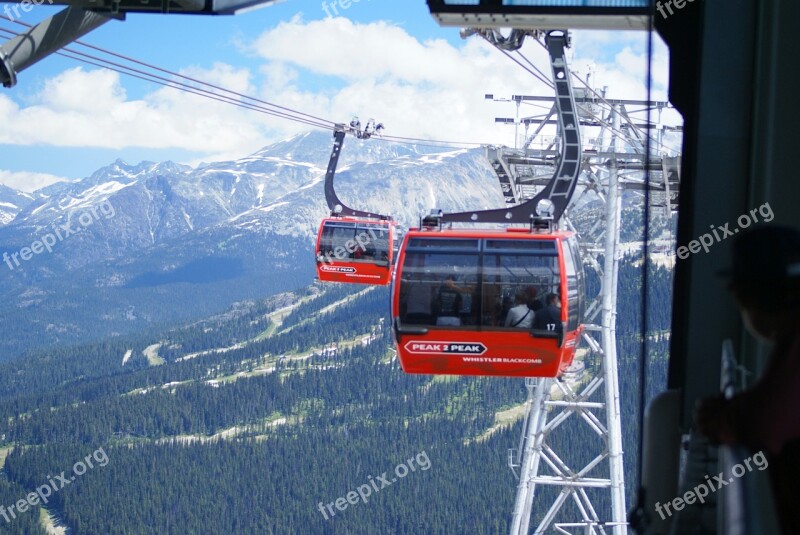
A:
x: 12, y: 202
x: 276, y: 190
x: 158, y: 243
x: 405, y: 186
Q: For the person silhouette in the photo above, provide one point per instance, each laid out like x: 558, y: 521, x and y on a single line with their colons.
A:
x: 765, y: 283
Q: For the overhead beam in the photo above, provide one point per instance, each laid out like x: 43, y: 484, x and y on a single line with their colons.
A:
x: 543, y: 14
x: 50, y: 35
x: 186, y: 7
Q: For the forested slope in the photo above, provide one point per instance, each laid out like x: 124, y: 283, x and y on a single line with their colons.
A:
x: 259, y: 415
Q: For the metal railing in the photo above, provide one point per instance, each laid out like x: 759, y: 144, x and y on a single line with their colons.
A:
x: 746, y: 507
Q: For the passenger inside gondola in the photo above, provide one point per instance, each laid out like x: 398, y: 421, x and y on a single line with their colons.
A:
x: 533, y: 303
x: 449, y: 303
x: 369, y: 250
x: 549, y: 317
x: 505, y: 306
x: 520, y: 316
x: 374, y: 242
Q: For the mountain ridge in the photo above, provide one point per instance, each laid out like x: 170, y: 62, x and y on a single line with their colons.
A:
x: 135, y: 245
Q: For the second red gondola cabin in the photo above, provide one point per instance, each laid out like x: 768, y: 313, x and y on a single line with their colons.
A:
x: 355, y: 250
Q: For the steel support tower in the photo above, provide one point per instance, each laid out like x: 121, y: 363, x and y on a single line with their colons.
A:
x: 623, y: 157
x: 614, y: 161
x: 628, y: 152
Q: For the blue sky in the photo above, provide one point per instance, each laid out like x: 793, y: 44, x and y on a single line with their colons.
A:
x: 381, y: 58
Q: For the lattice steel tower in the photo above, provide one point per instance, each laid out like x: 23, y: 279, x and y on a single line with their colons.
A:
x: 622, y: 153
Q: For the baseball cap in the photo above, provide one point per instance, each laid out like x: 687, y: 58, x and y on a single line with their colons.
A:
x: 764, y: 256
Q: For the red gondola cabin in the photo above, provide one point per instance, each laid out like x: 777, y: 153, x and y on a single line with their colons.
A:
x: 355, y: 250
x: 475, y: 302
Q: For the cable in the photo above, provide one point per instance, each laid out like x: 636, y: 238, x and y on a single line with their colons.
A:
x: 539, y: 75
x: 178, y: 75
x: 262, y: 106
x: 537, y: 69
x: 173, y: 85
x: 627, y: 117
x: 148, y: 77
x: 400, y: 139
x: 545, y: 81
x: 184, y: 87
x: 542, y: 106
x: 603, y: 99
x: 645, y: 301
x: 536, y: 74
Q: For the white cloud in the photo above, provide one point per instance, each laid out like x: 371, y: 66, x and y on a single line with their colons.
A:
x: 80, y: 108
x: 419, y: 89
x: 68, y: 92
x: 28, y: 182
x: 331, y: 68
x: 358, y: 52
x: 625, y: 67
